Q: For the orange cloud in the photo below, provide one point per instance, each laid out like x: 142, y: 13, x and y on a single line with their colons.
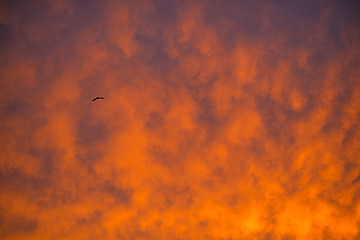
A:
x: 232, y: 120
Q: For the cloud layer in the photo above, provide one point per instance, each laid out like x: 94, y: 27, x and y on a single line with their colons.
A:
x: 221, y: 120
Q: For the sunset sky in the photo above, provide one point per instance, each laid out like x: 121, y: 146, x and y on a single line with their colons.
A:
x: 230, y: 120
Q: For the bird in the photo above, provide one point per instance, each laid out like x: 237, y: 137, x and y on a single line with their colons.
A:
x: 98, y: 98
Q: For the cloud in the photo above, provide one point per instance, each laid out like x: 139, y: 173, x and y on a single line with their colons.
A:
x: 231, y: 120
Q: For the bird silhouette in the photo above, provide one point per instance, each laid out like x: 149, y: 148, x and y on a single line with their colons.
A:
x: 98, y: 98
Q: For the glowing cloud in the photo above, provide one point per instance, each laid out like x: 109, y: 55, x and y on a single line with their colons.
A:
x: 221, y: 120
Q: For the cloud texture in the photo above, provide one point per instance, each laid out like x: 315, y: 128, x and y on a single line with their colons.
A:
x: 221, y: 119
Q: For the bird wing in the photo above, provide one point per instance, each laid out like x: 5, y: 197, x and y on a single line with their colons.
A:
x: 98, y: 98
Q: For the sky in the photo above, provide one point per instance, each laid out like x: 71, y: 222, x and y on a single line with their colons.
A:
x: 221, y: 120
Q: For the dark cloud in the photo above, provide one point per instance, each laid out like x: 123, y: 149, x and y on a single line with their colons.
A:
x: 17, y: 226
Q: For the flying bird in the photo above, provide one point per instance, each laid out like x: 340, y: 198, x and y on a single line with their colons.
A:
x: 98, y: 98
